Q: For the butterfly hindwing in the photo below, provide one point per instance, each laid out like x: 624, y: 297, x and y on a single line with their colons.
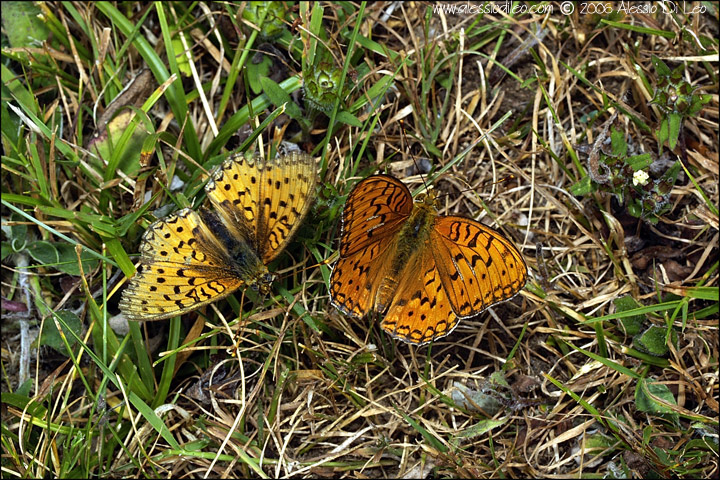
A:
x: 181, y: 268
x: 421, y: 310
x: 353, y: 285
x: 478, y: 267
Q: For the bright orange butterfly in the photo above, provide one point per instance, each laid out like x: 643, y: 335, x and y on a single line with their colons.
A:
x: 190, y: 259
x: 421, y: 270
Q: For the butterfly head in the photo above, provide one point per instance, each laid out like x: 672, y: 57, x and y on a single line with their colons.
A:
x: 263, y: 282
x: 430, y: 198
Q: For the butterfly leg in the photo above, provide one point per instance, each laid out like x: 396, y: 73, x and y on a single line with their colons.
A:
x: 385, y: 294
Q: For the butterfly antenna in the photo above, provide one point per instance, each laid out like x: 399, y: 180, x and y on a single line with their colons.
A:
x: 327, y: 261
x: 403, y: 136
x: 506, y: 178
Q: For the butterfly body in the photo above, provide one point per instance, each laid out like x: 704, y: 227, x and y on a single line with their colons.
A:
x: 239, y: 251
x: 413, y: 237
x: 190, y: 259
x: 415, y: 233
x: 421, y: 270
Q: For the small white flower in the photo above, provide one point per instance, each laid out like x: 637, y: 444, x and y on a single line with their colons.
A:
x: 640, y: 178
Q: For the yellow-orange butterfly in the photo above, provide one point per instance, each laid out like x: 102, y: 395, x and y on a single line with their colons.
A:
x: 421, y: 270
x: 190, y: 259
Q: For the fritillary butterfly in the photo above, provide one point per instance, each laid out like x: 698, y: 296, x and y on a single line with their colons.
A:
x: 190, y: 259
x: 421, y: 270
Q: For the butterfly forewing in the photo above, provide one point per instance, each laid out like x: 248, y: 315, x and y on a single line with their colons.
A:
x: 376, y: 208
x: 181, y: 268
x: 286, y: 200
x: 273, y: 196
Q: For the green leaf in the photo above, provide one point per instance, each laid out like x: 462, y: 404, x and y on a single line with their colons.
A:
x: 377, y: 48
x: 106, y: 144
x: 663, y: 132
x: 316, y: 22
x: 640, y: 162
x: 20, y: 400
x: 582, y: 187
x: 43, y: 252
x: 22, y: 24
x: 5, y: 250
x: 68, y: 259
x: 116, y: 251
x: 632, y: 323
x: 671, y: 174
x: 257, y: 71
x: 377, y: 89
x: 53, y: 338
x: 481, y: 428
x: 431, y: 148
x: 644, y: 401
x: 619, y: 146
x: 598, y: 442
x: 181, y: 56
x: 23, y: 96
x: 674, y: 122
x: 660, y: 67
x: 652, y: 341
x: 703, y: 293
x: 61, y: 256
x: 280, y: 97
x: 634, y: 207
x: 698, y: 101
x: 348, y: 119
